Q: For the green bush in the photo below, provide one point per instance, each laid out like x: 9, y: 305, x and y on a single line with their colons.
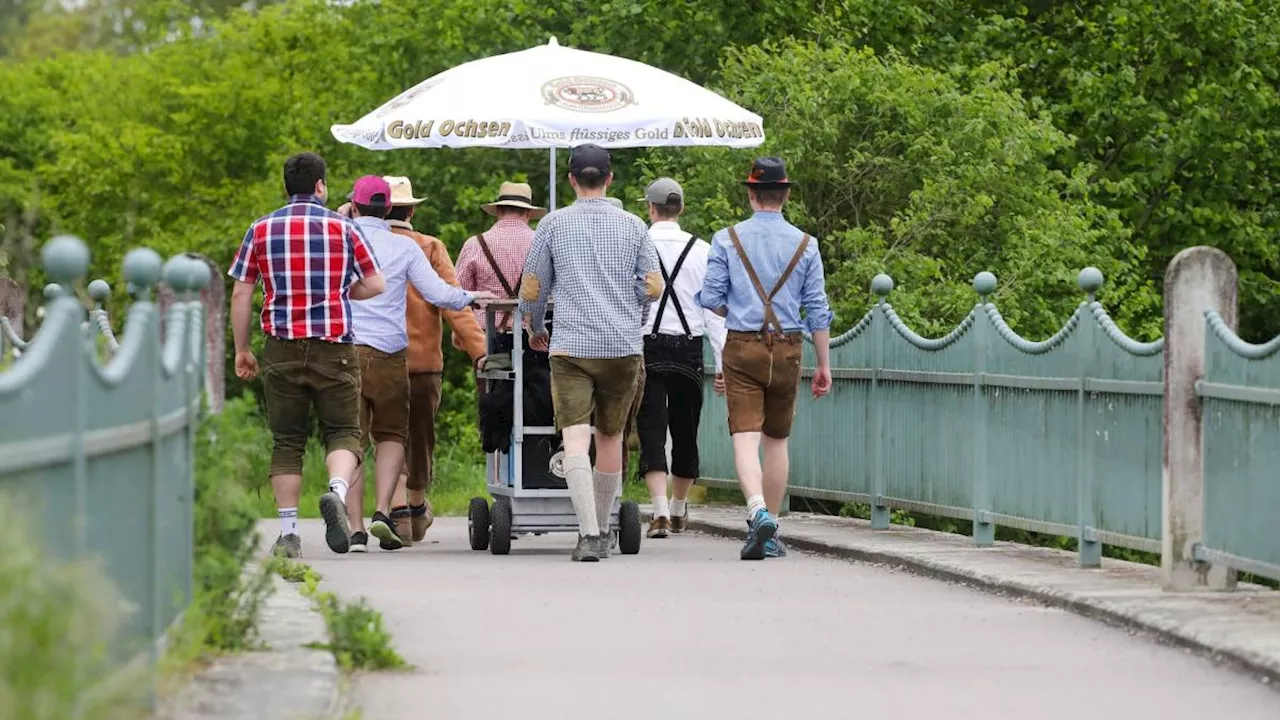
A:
x: 58, y: 620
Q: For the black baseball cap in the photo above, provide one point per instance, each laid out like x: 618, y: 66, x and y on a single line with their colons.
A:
x: 589, y: 156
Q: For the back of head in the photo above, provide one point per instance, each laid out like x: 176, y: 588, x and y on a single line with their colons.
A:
x: 590, y: 166
x: 665, y: 198
x: 372, y: 197
x: 303, y: 172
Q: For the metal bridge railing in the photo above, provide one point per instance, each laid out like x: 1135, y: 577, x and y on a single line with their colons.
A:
x: 104, y: 441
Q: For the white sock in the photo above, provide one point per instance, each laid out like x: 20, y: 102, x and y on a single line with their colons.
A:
x: 288, y: 520
x: 606, y: 489
x: 660, y: 507
x: 339, y: 486
x: 679, y: 508
x: 755, y: 504
x: 577, y: 475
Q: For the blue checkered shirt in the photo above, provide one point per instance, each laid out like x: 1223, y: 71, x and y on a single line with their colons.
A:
x: 601, y: 266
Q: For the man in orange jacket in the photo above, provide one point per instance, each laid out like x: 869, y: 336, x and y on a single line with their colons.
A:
x: 425, y: 360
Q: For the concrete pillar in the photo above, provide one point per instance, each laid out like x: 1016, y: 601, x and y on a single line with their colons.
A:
x: 1198, y: 279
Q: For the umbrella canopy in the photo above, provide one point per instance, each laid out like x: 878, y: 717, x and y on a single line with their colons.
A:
x: 551, y: 96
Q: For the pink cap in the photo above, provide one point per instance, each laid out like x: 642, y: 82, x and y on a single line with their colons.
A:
x: 371, y: 190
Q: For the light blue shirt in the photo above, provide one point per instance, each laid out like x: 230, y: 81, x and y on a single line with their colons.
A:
x: 770, y: 242
x: 379, y: 321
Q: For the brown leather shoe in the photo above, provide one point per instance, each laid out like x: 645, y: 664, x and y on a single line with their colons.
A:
x: 404, y: 525
x: 659, y: 527
x: 422, y: 519
x: 681, y: 523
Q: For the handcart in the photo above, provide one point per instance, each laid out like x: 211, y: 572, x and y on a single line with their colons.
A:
x: 525, y: 477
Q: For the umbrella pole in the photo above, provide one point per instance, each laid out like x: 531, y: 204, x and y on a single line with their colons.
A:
x: 551, y: 176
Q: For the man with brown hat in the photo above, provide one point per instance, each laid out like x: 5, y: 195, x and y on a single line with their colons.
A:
x: 425, y: 364
x: 494, y: 259
x: 765, y: 341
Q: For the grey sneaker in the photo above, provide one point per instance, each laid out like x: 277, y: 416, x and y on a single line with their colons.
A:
x: 588, y: 549
x: 604, y: 542
x: 336, y: 531
x: 289, y: 546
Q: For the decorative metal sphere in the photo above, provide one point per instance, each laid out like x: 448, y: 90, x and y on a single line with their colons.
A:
x: 201, y: 275
x: 984, y: 283
x: 1090, y: 280
x: 882, y: 285
x: 65, y: 258
x: 177, y: 273
x: 52, y: 290
x: 142, y: 267
x: 99, y: 290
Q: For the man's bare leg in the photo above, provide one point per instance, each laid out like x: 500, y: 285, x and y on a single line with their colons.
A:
x: 355, y: 501
x: 777, y: 468
x: 287, y: 489
x: 746, y: 459
x: 656, y: 480
x: 342, y: 466
x: 388, y: 461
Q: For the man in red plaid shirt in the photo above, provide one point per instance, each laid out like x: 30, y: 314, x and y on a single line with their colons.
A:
x: 312, y: 263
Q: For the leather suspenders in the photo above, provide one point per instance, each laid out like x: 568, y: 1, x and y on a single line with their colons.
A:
x: 506, y: 286
x: 770, y: 317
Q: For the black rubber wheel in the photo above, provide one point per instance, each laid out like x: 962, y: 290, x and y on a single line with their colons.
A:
x: 500, y: 527
x: 478, y: 523
x: 629, y: 528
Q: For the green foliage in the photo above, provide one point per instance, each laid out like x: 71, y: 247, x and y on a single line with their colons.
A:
x: 230, y: 589
x: 293, y: 571
x: 59, y: 619
x: 357, y: 637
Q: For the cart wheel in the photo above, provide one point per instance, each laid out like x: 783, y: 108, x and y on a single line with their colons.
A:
x: 500, y: 530
x: 478, y: 523
x: 629, y: 528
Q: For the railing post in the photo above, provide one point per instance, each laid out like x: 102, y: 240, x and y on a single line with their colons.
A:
x: 1090, y: 281
x: 1198, y: 279
x: 881, y: 285
x: 984, y: 531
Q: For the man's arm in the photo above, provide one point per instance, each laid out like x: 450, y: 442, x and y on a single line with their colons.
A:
x: 431, y: 287
x: 463, y: 322
x: 537, y: 279
x: 369, y: 280
x: 813, y: 293
x: 241, y: 314
x: 714, y: 295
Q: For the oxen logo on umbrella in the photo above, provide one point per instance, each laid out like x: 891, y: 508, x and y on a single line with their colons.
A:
x: 587, y: 94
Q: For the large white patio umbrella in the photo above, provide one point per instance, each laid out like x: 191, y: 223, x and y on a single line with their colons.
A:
x: 554, y: 97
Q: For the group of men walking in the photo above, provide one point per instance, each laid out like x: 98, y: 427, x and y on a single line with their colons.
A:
x: 353, y: 308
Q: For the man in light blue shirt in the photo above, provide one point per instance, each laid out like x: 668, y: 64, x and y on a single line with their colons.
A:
x: 381, y: 338
x: 761, y: 275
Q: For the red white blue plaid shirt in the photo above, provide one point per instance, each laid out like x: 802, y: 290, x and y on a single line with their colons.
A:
x: 307, y: 257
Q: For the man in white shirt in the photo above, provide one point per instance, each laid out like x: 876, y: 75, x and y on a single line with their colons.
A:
x: 672, y: 400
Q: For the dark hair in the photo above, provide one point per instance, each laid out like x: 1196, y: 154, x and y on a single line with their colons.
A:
x: 302, y: 172
x: 669, y: 209
x: 591, y: 178
x: 378, y: 211
x: 509, y: 211
x: 771, y: 197
x: 400, y: 213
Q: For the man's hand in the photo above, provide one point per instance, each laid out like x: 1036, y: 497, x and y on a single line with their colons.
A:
x: 481, y: 297
x: 345, y: 210
x: 821, y: 381
x: 457, y: 341
x: 718, y: 384
x: 540, y: 341
x: 246, y: 365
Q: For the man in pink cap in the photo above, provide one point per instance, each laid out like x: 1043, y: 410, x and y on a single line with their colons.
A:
x: 381, y: 339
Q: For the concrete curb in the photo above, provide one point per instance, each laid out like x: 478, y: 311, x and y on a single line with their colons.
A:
x: 287, y: 680
x: 1246, y: 641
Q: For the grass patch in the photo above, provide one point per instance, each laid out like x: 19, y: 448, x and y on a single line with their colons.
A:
x: 293, y: 571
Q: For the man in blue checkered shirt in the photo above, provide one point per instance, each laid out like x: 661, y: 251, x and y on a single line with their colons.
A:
x: 603, y: 270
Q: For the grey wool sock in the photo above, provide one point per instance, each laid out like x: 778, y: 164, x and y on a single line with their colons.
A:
x: 577, y: 475
x: 607, y: 486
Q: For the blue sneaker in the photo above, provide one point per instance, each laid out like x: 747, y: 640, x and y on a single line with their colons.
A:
x: 763, y: 528
x: 774, y: 548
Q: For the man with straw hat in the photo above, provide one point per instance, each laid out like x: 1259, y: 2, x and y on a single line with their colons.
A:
x: 760, y: 274
x: 424, y: 360
x: 494, y: 259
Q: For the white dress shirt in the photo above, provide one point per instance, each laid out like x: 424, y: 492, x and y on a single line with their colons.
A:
x: 669, y: 240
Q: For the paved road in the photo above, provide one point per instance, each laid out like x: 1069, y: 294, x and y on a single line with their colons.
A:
x: 686, y: 630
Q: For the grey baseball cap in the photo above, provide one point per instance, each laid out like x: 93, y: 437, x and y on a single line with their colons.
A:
x: 661, y: 190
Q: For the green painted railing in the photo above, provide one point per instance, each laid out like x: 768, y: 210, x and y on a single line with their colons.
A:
x: 102, y: 452
x: 1063, y: 436
x: 1241, y: 396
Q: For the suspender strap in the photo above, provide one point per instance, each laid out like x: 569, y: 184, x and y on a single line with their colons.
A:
x: 770, y: 318
x: 670, y: 293
x: 506, y: 286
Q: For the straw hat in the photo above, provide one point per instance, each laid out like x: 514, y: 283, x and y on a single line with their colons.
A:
x: 402, y: 191
x: 518, y: 195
